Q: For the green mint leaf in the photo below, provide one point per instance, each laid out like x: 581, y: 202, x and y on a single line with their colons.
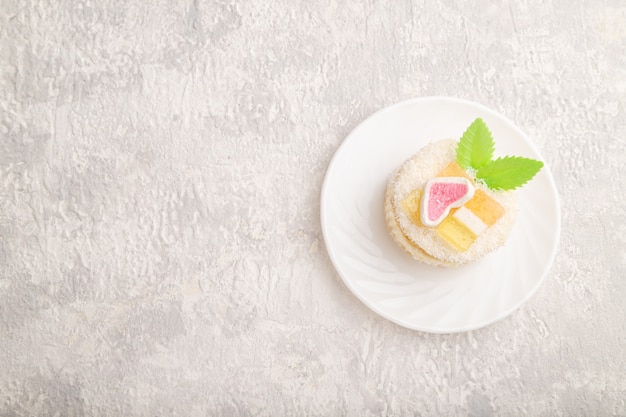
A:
x: 509, y: 172
x: 475, y: 149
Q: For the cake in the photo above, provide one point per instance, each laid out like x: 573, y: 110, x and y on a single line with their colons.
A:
x: 452, y: 203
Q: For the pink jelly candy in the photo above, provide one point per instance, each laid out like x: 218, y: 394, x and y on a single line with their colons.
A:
x: 440, y: 195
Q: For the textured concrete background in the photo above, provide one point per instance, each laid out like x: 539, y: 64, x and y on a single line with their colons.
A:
x: 160, y: 171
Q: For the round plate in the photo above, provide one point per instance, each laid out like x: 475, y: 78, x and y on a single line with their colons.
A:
x: 383, y: 276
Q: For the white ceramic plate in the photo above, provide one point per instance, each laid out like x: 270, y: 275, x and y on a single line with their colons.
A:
x: 385, y: 278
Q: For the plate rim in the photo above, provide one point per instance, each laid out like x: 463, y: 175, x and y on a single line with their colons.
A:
x: 324, y: 224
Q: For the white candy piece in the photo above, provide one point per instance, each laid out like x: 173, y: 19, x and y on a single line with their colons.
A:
x: 470, y: 220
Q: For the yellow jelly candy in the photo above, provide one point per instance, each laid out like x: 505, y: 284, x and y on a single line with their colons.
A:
x: 454, y: 170
x: 485, y: 207
x: 456, y: 233
x: 411, y: 206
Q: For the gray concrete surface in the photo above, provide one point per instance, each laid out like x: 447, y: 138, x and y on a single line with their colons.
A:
x: 160, y: 171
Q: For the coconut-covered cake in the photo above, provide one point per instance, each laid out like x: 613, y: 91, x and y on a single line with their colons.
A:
x: 452, y: 202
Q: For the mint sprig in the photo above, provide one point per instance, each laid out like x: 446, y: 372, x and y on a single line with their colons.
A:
x: 476, y: 146
x: 475, y: 150
x: 509, y: 172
